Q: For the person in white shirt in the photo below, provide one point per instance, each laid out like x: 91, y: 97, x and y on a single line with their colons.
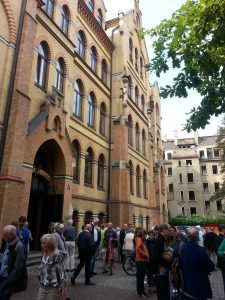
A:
x: 128, y: 245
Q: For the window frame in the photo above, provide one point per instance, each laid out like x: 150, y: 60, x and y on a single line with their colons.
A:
x: 81, y: 44
x: 91, y: 110
x: 101, y: 163
x: 65, y: 19
x: 88, y: 168
x: 77, y: 103
x: 41, y: 66
x: 59, y: 85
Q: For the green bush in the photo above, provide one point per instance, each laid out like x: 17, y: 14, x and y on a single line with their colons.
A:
x: 197, y: 220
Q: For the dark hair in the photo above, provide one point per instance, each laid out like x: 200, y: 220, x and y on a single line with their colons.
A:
x: 22, y: 219
x: 221, y: 227
x: 163, y: 226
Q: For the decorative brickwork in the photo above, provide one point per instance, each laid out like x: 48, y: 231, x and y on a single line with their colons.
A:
x: 11, y: 21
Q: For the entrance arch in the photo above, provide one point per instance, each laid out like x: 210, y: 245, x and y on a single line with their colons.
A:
x: 47, y: 190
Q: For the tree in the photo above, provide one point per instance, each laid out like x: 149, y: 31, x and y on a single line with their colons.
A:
x: 193, y: 42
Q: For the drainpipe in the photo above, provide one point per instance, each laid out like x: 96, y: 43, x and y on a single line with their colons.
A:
x: 110, y: 127
x: 12, y: 81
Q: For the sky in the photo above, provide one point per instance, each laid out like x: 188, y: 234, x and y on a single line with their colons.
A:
x: 173, y: 110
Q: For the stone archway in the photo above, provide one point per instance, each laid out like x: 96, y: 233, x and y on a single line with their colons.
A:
x: 47, y: 190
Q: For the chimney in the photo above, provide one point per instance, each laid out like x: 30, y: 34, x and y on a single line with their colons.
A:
x: 175, y: 137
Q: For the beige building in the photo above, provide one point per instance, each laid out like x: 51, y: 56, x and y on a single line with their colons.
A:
x: 192, y: 175
x: 79, y: 123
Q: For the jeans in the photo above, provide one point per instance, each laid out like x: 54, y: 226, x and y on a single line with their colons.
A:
x: 70, y: 249
x: 140, y: 276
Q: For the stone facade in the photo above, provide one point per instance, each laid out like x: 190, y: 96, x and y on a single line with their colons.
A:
x: 64, y: 117
x: 192, y: 175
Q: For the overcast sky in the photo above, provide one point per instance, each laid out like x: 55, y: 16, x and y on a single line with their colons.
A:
x: 173, y: 110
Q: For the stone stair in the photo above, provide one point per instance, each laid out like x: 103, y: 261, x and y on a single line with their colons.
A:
x: 34, y: 258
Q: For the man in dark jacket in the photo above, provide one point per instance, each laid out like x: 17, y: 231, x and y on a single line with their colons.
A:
x: 161, y: 262
x: 86, y: 247
x: 218, y: 242
x: 196, y: 267
x: 209, y: 244
x: 13, y: 274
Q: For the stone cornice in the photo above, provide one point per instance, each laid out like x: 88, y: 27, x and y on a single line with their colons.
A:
x: 94, y: 25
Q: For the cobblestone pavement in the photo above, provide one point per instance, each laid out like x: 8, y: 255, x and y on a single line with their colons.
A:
x: 117, y: 287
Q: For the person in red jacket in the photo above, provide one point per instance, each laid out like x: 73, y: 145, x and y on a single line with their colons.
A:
x: 141, y: 258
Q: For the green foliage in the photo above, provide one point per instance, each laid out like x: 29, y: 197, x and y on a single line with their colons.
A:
x: 196, y: 220
x: 193, y: 42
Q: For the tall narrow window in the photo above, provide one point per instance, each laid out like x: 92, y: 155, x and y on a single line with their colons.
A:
x: 93, y: 59
x: 214, y: 169
x: 101, y: 162
x: 145, y: 180
x: 104, y: 71
x: 59, y: 75
x: 138, y: 181
x: 77, y: 103
x: 131, y: 50
x: 129, y: 87
x: 41, y: 67
x: 131, y: 178
x: 170, y: 187
x: 143, y: 143
x: 48, y: 7
x: 65, y: 19
x: 143, y: 103
x: 203, y: 170
x: 88, y: 166
x: 76, y: 160
x: 91, y: 110
x: 91, y: 5
x: 81, y: 44
x: 191, y: 195
x: 141, y: 67
x: 130, y: 130
x: 102, y: 118
x: 137, y: 136
x: 216, y: 186
x: 99, y: 17
x: 136, y: 59
x: 205, y: 186
x: 169, y: 171
x: 190, y: 177
x: 136, y: 95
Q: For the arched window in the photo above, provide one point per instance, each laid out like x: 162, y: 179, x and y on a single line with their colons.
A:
x: 104, y: 71
x: 41, y: 68
x: 141, y: 67
x: 81, y: 44
x: 143, y: 103
x: 76, y: 160
x: 131, y: 177
x: 48, y: 7
x: 130, y: 130
x: 136, y: 95
x: 145, y: 181
x: 143, y: 142
x: 91, y: 109
x: 136, y: 59
x: 94, y: 59
x: 100, y: 17
x: 88, y: 166
x: 59, y: 75
x: 138, y: 193
x: 91, y: 5
x: 65, y: 19
x: 77, y: 103
x: 137, y: 136
x: 131, y: 50
x: 101, y: 162
x: 102, y: 119
x: 129, y: 87
x: 88, y: 217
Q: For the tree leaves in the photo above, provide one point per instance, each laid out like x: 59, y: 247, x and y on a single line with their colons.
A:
x: 193, y: 42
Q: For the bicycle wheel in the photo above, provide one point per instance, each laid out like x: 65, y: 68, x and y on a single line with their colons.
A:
x: 129, y: 266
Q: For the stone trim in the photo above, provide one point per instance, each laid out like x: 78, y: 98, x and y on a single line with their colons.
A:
x: 11, y: 21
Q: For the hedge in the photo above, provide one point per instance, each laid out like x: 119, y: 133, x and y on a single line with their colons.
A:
x: 197, y: 220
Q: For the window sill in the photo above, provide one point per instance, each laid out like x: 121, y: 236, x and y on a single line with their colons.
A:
x: 78, y: 117
x: 89, y: 185
x: 101, y: 189
x: 76, y: 181
x: 91, y: 127
x: 40, y: 87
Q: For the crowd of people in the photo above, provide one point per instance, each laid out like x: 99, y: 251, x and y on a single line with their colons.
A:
x: 199, y: 253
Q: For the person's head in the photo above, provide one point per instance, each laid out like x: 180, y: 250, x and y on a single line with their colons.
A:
x: 48, y: 243
x: 26, y: 224
x: 9, y: 233
x: 173, y: 231
x: 88, y: 227
x: 51, y: 227
x: 125, y: 226
x: 22, y: 221
x: 117, y: 229
x: 139, y: 232
x: 221, y: 228
x: 156, y: 229
x: 193, y: 235
x: 96, y: 221
x: 59, y: 227
x: 70, y: 222
x: 151, y: 234
x: 110, y: 225
x: 164, y: 229
x: 102, y: 226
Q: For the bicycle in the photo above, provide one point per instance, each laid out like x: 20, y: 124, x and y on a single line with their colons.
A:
x: 129, y: 265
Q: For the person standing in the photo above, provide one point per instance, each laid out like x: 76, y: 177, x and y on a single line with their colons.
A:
x: 110, y: 239
x: 52, y: 275
x: 221, y: 257
x: 95, y: 231
x: 209, y: 244
x: 13, y: 272
x: 69, y: 234
x: 86, y: 248
x: 195, y: 266
x: 58, y: 235
x: 123, y: 232
x: 24, y: 234
x: 141, y: 258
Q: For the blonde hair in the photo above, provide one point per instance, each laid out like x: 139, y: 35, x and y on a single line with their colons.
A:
x: 50, y: 241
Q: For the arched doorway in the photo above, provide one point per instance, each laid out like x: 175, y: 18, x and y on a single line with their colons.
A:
x: 47, y: 188
x: 88, y: 217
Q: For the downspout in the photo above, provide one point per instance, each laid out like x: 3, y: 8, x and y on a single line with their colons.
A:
x: 12, y: 82
x: 110, y: 127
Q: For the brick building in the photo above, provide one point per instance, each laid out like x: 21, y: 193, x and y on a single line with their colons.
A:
x: 79, y: 122
x: 192, y: 175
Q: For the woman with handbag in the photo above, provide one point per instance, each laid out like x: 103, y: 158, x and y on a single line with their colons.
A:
x: 52, y: 274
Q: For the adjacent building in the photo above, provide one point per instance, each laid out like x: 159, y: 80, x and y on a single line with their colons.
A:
x: 193, y: 174
x: 79, y: 122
